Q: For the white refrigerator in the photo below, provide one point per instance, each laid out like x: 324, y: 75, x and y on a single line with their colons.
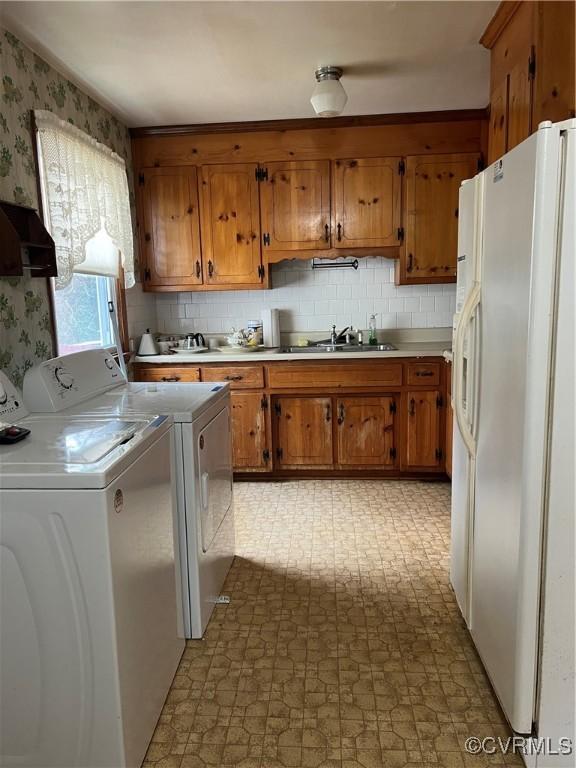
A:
x: 512, y: 560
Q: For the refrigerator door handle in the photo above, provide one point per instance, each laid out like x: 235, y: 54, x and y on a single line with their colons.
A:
x: 465, y: 317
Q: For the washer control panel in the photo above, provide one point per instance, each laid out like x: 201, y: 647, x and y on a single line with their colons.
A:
x: 65, y: 381
x: 11, y: 406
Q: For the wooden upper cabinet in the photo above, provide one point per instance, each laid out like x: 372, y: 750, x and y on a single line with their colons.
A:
x: 171, y: 238
x: 303, y: 432
x: 531, y: 69
x: 431, y: 216
x: 365, y: 431
x: 366, y: 202
x: 295, y: 205
x: 230, y: 218
x: 423, y: 433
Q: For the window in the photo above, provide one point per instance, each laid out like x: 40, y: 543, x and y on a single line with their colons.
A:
x: 86, y: 209
x: 83, y: 319
x: 82, y: 315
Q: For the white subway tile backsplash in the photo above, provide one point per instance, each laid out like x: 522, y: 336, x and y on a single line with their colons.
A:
x: 403, y: 320
x: 426, y: 303
x: 442, y: 303
x: 412, y: 304
x: 373, y: 290
x: 308, y: 300
x: 396, y: 305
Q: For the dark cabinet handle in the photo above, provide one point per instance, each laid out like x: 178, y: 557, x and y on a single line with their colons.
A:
x: 237, y: 377
x: 198, y: 269
x: 328, y: 412
x: 410, y: 266
x: 341, y: 413
x: 326, y: 233
x: 339, y: 229
x: 424, y: 373
x: 412, y: 409
x: 170, y: 378
x: 210, y: 268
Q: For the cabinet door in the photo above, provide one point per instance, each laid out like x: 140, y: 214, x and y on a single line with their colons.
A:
x: 423, y: 430
x: 303, y: 432
x: 295, y: 206
x: 432, y: 184
x: 519, y: 104
x: 366, y: 431
x: 250, y: 448
x: 498, y: 131
x: 171, y: 228
x: 367, y: 202
x: 230, y: 225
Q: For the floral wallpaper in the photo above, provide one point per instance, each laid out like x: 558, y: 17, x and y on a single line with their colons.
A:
x: 27, y: 82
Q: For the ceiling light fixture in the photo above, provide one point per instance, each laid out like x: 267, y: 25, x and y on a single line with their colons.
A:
x: 329, y: 97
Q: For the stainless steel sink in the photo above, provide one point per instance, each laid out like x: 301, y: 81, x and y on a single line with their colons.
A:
x: 339, y: 348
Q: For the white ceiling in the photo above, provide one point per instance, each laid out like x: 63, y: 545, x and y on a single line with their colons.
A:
x: 159, y: 63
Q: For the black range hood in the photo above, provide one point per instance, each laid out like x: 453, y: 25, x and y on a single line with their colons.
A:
x: 26, y: 248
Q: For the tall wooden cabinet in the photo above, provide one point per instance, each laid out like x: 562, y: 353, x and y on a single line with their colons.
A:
x: 231, y: 225
x: 171, y: 238
x: 531, y: 69
x: 431, y: 216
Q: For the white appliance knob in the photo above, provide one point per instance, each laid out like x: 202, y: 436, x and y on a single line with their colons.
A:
x: 109, y: 363
x: 64, y: 379
x: 3, y: 395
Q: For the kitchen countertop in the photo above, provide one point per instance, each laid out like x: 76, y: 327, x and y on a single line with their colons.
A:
x: 405, y: 349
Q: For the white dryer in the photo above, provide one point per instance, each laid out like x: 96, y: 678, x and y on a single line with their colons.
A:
x: 88, y: 607
x: 91, y: 383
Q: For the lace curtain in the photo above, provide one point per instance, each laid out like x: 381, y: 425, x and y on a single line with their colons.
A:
x: 84, y: 191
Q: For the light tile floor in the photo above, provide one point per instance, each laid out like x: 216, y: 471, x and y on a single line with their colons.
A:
x: 342, y: 644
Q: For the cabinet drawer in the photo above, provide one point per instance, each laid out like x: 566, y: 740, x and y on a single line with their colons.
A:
x: 423, y: 373
x: 164, y: 373
x: 338, y: 376
x: 240, y: 377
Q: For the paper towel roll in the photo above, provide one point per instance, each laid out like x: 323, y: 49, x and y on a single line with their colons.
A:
x: 271, y: 327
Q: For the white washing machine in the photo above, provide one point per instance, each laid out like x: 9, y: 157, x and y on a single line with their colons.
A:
x: 91, y: 383
x: 88, y: 606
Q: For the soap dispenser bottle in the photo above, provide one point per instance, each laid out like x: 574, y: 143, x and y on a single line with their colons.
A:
x: 372, y: 340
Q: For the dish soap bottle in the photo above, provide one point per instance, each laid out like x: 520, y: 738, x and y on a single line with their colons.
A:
x: 372, y: 340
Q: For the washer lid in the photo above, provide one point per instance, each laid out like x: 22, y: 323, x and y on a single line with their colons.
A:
x: 75, y: 453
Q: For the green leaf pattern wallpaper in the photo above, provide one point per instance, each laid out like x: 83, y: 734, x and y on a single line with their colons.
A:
x: 28, y: 82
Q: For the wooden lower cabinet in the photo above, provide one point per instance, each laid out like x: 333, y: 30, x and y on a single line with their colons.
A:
x: 386, y: 417
x: 303, y: 432
x: 423, y: 432
x: 250, y: 445
x: 366, y: 431
x: 164, y: 373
